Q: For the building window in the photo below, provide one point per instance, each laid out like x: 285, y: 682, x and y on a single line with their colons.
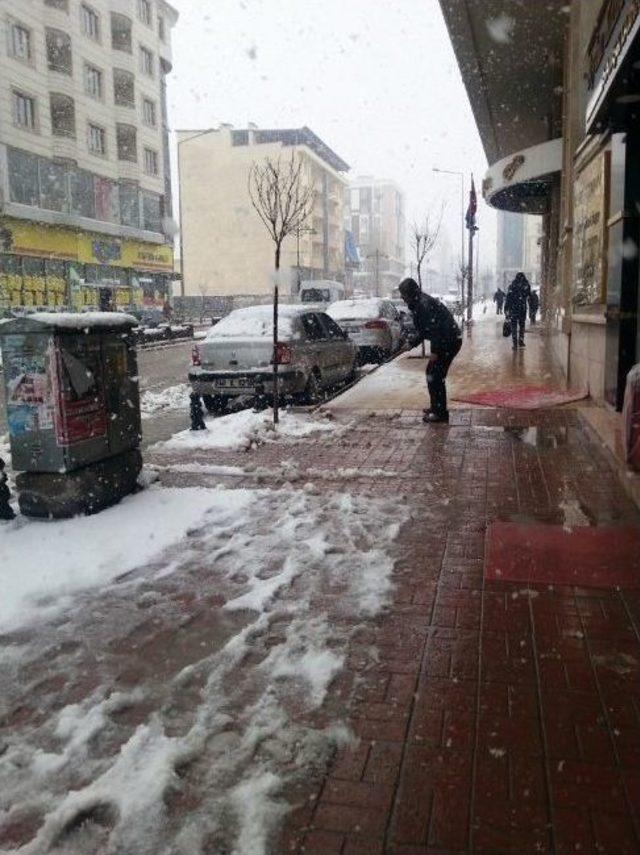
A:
x: 82, y: 197
x: 124, y: 88
x: 90, y: 22
x: 146, y: 62
x: 97, y: 140
x: 129, y: 204
x: 144, y: 12
x: 20, y: 44
x: 127, y: 143
x: 59, y: 56
x: 151, y: 161
x: 24, y: 111
x: 162, y: 29
x: 63, y: 115
x: 63, y: 5
x: 23, y: 177
x: 53, y: 186
x: 93, y: 84
x: 121, y: 38
x: 149, y: 113
x: 239, y: 138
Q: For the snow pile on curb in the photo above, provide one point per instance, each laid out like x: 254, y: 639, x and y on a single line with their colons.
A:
x: 252, y: 730
x: 171, y: 398
x: 247, y: 429
x: 57, y: 559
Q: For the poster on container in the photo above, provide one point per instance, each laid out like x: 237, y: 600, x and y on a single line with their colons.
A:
x: 30, y: 401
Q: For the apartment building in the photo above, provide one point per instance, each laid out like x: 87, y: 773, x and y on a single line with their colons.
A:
x: 226, y: 250
x: 375, y: 215
x: 85, y: 185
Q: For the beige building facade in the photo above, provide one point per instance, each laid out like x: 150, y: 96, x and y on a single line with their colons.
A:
x: 556, y: 101
x: 85, y: 185
x: 227, y: 253
x: 375, y: 216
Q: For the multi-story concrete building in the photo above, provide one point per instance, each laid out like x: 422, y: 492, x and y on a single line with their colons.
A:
x: 226, y: 250
x: 375, y: 215
x: 519, y: 248
x: 555, y: 97
x: 85, y: 185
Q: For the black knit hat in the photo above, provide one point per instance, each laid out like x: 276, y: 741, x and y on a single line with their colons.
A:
x: 409, y: 288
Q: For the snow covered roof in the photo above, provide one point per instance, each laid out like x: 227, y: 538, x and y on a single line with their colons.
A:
x: 71, y: 321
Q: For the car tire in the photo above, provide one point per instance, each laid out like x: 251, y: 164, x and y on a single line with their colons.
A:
x: 312, y: 392
x: 215, y: 403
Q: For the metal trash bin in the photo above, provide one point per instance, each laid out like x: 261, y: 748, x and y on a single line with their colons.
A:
x: 73, y: 410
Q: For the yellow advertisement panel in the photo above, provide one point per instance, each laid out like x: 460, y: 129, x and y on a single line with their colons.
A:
x: 40, y: 241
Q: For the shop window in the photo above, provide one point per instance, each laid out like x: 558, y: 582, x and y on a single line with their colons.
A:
x: 127, y: 137
x: 56, y: 282
x: 129, y: 205
x: 107, y: 200
x: 124, y: 88
x: 53, y: 186
x: 97, y: 138
x: 23, y: 177
x: 34, y: 283
x: 151, y: 166
x: 83, y: 199
x: 149, y: 113
x: 121, y: 33
x: 24, y: 111
x: 90, y: 22
x: 10, y: 281
x: 146, y: 62
x: 152, y: 212
x: 63, y: 115
x: 20, y: 42
x: 59, y: 57
x: 93, y: 82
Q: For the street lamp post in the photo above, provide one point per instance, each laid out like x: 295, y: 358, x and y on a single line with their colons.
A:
x: 462, y: 187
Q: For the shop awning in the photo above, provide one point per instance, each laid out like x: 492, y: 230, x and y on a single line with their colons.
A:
x: 510, y: 57
x: 520, y: 182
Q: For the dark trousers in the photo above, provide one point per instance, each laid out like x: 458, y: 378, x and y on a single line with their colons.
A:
x: 533, y: 314
x: 517, y: 328
x: 436, y: 375
x: 498, y: 308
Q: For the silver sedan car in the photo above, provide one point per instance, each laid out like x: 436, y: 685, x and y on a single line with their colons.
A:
x: 236, y: 358
x: 372, y: 323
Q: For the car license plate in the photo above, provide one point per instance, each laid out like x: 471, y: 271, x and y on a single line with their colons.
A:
x: 233, y: 382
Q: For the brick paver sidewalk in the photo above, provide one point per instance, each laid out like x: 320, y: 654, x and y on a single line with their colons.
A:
x: 498, y: 718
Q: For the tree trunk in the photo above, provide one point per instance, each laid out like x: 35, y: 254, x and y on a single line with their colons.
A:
x: 276, y: 300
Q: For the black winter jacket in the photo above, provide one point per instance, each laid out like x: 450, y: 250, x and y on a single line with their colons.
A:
x: 517, y: 299
x: 434, y: 322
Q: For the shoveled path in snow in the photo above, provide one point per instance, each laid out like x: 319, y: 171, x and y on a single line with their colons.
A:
x: 463, y: 716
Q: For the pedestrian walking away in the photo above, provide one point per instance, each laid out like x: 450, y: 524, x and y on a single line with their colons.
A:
x: 515, y: 307
x: 534, y: 305
x: 498, y: 299
x: 433, y: 322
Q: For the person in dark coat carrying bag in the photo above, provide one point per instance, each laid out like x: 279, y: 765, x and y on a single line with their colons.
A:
x: 433, y: 322
x: 534, y: 305
x: 515, y: 307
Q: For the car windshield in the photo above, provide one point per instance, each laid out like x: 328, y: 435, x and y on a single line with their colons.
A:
x: 345, y: 310
x: 316, y: 295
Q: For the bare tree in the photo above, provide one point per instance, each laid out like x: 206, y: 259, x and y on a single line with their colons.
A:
x: 284, y: 203
x: 424, y: 237
x: 281, y: 198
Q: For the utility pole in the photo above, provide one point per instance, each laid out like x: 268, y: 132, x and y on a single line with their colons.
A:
x: 473, y: 228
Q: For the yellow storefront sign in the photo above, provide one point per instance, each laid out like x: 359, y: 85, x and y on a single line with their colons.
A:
x: 41, y: 241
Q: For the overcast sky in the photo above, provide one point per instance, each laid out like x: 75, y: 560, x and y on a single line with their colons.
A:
x: 377, y: 80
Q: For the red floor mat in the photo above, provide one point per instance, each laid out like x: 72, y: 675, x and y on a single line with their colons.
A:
x: 600, y: 557
x: 522, y: 397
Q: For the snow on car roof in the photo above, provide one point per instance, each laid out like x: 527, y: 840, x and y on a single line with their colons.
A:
x: 257, y: 322
x: 344, y: 309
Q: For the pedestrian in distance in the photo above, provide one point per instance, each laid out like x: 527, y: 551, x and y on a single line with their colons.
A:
x: 498, y: 299
x: 534, y: 305
x: 515, y: 308
x: 433, y: 322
